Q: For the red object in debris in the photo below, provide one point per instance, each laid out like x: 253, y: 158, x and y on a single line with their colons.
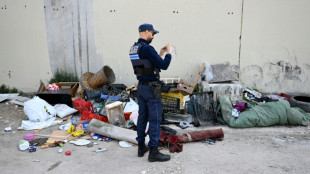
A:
x: 127, y: 115
x: 89, y: 116
x: 68, y: 153
x: 287, y: 97
x: 82, y: 106
x: 216, y: 134
x: 175, y: 141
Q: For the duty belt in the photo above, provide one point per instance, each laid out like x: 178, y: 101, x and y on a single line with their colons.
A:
x: 150, y: 83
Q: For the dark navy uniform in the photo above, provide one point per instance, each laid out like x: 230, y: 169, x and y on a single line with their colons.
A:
x: 147, y: 65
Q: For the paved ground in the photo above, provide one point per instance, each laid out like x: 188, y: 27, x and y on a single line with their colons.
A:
x: 256, y: 150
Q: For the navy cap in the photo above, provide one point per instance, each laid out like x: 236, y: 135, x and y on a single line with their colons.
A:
x: 144, y: 27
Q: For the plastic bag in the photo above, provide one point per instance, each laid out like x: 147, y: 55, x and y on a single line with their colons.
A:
x: 207, y: 73
x: 63, y: 110
x: 38, y: 110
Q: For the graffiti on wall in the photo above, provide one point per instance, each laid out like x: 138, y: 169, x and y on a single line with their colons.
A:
x: 277, y: 77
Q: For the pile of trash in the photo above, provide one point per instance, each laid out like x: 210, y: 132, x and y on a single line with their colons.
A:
x: 104, y: 111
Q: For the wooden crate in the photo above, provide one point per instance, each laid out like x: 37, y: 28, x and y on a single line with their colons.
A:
x: 115, y: 113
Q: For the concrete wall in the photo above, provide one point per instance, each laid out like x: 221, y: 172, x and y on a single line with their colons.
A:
x: 85, y: 35
x: 275, y: 52
x: 200, y: 31
x: 23, y: 45
x: 70, y: 33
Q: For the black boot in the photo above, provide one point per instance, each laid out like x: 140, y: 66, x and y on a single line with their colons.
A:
x: 142, y: 149
x: 155, y: 155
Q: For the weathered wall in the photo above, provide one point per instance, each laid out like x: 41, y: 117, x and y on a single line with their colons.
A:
x: 200, y: 30
x: 84, y: 35
x: 275, y: 52
x: 23, y: 45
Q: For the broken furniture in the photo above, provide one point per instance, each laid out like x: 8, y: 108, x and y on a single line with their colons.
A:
x: 62, y: 96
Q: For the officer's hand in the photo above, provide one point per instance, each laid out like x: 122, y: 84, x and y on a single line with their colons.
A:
x: 162, y: 51
x: 169, y: 48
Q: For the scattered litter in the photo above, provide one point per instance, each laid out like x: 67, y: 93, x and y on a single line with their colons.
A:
x: 29, y: 137
x: 30, y: 125
x: 38, y: 110
x: 44, y: 146
x: 68, y: 152
x: 235, y: 113
x: 23, y: 145
x: 4, y: 97
x: 95, y: 143
x: 185, y: 124
x: 32, y: 148
x: 101, y: 149
x: 124, y: 144
x: 60, y: 150
x: 38, y: 141
x: 143, y: 172
x: 80, y: 142
x: 35, y: 160
x: 99, y: 137
x: 63, y: 110
x: 90, y: 145
x: 130, y: 106
x: 65, y: 126
x: 210, y: 141
x: 7, y: 129
x: 52, y: 87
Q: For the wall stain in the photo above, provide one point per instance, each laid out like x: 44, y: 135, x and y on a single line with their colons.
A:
x: 281, y: 76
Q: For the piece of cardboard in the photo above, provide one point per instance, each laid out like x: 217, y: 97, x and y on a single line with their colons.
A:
x: 186, y: 87
x: 61, y: 135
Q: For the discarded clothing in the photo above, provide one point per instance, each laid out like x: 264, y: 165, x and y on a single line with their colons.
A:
x: 241, y: 106
x: 266, y: 114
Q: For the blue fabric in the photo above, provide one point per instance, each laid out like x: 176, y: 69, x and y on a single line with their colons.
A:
x: 148, y: 52
x: 150, y: 109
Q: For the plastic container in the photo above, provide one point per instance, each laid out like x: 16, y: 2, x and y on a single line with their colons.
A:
x: 170, y: 104
x: 175, y: 95
x: 203, y: 107
x: 89, y: 116
x: 29, y: 137
x: 83, y: 106
x: 23, y: 145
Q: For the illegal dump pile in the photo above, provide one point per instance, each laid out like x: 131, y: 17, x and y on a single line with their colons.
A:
x: 96, y: 109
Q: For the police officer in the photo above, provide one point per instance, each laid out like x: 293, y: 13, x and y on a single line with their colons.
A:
x: 147, y: 65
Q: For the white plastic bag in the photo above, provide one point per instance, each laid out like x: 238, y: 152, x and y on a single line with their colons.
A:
x: 63, y: 110
x: 207, y: 73
x: 134, y: 118
x: 130, y: 106
x: 38, y: 110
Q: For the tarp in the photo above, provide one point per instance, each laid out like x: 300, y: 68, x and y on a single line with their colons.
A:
x: 266, y: 114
